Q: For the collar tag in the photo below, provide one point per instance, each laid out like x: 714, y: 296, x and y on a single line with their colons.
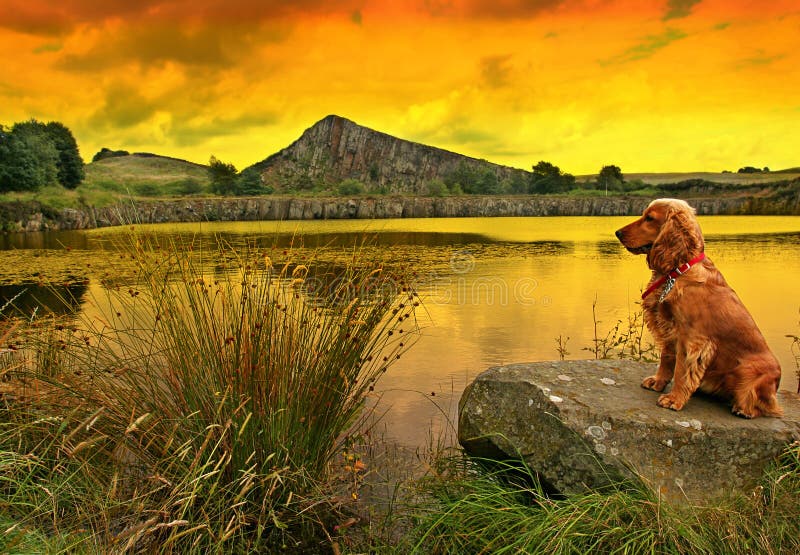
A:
x: 667, y: 288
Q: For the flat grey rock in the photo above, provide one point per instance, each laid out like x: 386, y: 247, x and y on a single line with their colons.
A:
x: 587, y: 424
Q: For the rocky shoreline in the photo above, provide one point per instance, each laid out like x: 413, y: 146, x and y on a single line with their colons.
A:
x: 33, y: 216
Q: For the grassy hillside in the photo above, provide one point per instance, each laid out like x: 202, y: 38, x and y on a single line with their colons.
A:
x: 146, y: 175
x: 729, y: 178
x: 133, y: 176
x: 726, y: 178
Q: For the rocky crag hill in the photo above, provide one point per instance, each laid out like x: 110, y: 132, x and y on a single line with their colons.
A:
x: 335, y: 149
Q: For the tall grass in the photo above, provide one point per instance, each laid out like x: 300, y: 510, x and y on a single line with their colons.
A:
x: 472, y: 510
x: 198, y: 407
x: 623, y: 340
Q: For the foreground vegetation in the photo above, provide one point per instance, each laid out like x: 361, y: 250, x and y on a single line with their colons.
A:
x: 478, y: 508
x: 195, y: 408
x: 209, y: 401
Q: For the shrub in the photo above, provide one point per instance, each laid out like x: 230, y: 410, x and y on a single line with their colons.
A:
x: 350, y: 187
x: 147, y: 189
x: 188, y: 186
x: 436, y: 188
x: 198, y: 412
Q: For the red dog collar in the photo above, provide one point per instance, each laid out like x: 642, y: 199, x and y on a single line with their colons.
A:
x: 674, y: 274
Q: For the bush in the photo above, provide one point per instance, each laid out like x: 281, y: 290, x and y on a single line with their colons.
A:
x: 436, y: 188
x: 187, y: 186
x: 147, y: 190
x: 350, y: 187
x: 199, y: 410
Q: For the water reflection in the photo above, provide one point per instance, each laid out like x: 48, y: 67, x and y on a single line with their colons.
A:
x: 494, y: 290
x: 28, y: 299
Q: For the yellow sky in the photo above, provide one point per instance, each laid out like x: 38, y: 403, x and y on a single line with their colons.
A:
x: 672, y: 85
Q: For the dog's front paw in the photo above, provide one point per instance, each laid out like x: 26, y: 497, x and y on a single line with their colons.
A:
x: 669, y: 402
x: 745, y: 413
x: 654, y: 384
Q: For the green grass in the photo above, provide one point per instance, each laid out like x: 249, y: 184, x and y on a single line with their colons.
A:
x: 142, y: 176
x: 732, y: 178
x: 112, y: 180
x: 199, y: 408
x: 469, y: 509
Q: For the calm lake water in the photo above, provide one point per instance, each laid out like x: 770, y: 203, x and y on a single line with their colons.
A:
x: 495, y: 290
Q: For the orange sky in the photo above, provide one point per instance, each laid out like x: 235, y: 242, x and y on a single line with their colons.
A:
x: 671, y: 85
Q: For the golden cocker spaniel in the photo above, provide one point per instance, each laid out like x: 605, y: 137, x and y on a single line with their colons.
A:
x: 707, y: 338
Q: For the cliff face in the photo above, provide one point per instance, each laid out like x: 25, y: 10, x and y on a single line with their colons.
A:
x: 336, y: 148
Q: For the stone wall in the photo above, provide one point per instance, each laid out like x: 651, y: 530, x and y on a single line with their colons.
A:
x: 35, y: 217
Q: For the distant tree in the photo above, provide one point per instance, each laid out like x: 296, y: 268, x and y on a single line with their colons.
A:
x: 34, y: 154
x: 104, y: 153
x: 472, y: 179
x: 249, y: 183
x: 462, y: 176
x: 766, y: 169
x: 16, y: 163
x: 487, y: 182
x: 222, y: 176
x: 518, y: 184
x: 610, y: 178
x: 70, y: 163
x: 748, y: 169
x: 39, y: 165
x: 548, y: 178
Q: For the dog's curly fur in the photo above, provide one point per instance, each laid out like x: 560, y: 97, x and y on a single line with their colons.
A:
x: 707, y: 338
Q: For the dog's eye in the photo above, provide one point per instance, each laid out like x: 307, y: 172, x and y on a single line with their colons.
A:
x: 649, y: 218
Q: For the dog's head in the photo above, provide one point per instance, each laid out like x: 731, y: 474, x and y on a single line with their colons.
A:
x: 667, y: 232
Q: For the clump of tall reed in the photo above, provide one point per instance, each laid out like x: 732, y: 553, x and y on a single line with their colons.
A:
x: 203, y: 401
x: 468, y: 509
x: 795, y: 347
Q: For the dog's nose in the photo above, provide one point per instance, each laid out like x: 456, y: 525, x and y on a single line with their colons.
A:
x: 618, y: 233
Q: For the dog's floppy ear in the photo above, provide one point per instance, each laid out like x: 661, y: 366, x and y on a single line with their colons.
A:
x: 678, y: 241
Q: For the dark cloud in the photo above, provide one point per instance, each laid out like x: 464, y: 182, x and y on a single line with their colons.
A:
x: 23, y: 17
x: 48, y: 47
x: 9, y: 91
x: 123, y: 106
x: 495, y: 71
x: 186, y: 132
x: 677, y: 9
x: 761, y: 59
x: 649, y: 46
x: 499, y: 9
x: 156, y: 44
x: 191, y: 115
x: 45, y: 17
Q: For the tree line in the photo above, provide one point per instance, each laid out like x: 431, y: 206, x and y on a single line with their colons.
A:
x: 34, y: 154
